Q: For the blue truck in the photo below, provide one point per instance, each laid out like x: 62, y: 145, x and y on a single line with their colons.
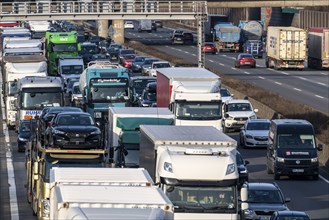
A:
x: 227, y: 36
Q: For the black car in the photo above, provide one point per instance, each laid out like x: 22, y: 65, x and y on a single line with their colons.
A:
x: 47, y: 115
x: 99, y: 57
x: 87, y: 51
x: 149, y: 96
x: 113, y: 54
x: 136, y: 86
x: 158, y: 23
x: 137, y: 64
x: 242, y: 168
x: 94, y: 39
x: 25, y: 133
x: 75, y: 130
x: 289, y: 215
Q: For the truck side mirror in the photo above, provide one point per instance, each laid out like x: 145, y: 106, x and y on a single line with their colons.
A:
x: 287, y: 199
x: 244, y: 194
x: 320, y: 147
x: 246, y: 162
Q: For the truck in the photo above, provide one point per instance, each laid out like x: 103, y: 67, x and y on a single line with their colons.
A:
x: 38, y: 28
x: 109, y: 202
x: 285, y: 48
x: 213, y: 19
x: 39, y: 162
x: 10, y: 32
x: 145, y: 25
x: 196, y: 169
x: 70, y: 68
x: 318, y: 48
x: 192, y: 94
x: 60, y: 44
x: 251, y: 30
x: 14, y: 68
x: 23, y: 44
x: 123, y: 131
x: 36, y: 92
x: 227, y: 37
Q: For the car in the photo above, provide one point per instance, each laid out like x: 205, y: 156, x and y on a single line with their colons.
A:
x: 69, y: 86
x: 254, y: 133
x: 76, y: 96
x: 99, y: 57
x: 236, y: 112
x: 136, y: 86
x: 127, y: 60
x: 94, y: 39
x: 158, y: 65
x: 47, y: 114
x: 260, y: 200
x: 25, y: 133
x: 129, y: 25
x: 113, y: 55
x: 242, y: 169
x: 289, y: 215
x: 188, y: 37
x: 103, y: 45
x: 225, y: 94
x: 158, y: 23
x: 209, y: 47
x: 147, y: 65
x: 73, y: 130
x: 177, y: 39
x: 245, y: 59
x: 116, y: 46
x: 123, y: 52
x: 87, y: 51
x: 137, y: 63
x: 176, y: 32
x: 148, y: 97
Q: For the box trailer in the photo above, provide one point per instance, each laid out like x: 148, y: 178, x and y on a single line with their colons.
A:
x: 318, y: 48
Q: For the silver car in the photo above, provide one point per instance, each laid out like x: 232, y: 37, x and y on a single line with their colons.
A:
x: 254, y: 133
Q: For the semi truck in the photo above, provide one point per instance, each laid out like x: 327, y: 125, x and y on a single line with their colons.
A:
x: 36, y: 92
x: 120, y: 202
x: 15, y: 68
x: 60, y: 44
x: 251, y: 30
x: 123, y: 131
x: 227, y: 37
x: 318, y: 48
x: 70, y: 68
x: 213, y: 19
x: 38, y: 28
x: 285, y: 48
x: 196, y: 169
x: 192, y: 94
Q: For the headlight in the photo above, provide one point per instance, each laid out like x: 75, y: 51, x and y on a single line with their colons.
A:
x: 230, y: 168
x: 314, y: 160
x: 98, y: 114
x: 145, y: 105
x: 248, y: 212
x: 138, y: 65
x: 280, y: 159
x: 58, y: 132
x: 22, y: 139
x: 249, y: 136
x: 253, y: 117
x: 96, y: 132
x: 168, y: 167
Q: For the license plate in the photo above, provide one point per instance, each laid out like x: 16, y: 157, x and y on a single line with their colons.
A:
x: 247, y: 63
x: 77, y: 140
x: 264, y: 217
x: 261, y: 142
x: 240, y: 122
x: 298, y: 170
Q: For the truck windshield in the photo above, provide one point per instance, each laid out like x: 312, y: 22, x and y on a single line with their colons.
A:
x: 72, y: 69
x: 109, y: 94
x: 306, y: 141
x: 202, y: 199
x: 198, y: 111
x: 34, y: 100
x: 65, y: 48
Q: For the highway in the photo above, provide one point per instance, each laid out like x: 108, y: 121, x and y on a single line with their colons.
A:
x: 310, y: 87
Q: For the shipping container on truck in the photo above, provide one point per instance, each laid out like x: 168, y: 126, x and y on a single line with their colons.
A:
x: 286, y: 48
x: 318, y: 48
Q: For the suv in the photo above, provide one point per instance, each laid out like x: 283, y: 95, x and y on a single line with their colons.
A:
x: 188, y: 37
x: 292, y: 149
x: 236, y: 112
x: 148, y: 97
x: 261, y: 200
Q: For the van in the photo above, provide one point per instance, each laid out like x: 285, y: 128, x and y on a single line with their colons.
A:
x: 292, y: 149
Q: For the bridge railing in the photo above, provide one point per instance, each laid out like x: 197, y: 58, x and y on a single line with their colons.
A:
x: 101, y: 7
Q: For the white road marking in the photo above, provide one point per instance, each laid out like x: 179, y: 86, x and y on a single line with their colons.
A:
x: 232, y: 58
x: 193, y: 54
x: 297, y: 89
x: 322, y: 84
x: 222, y: 64
x: 233, y: 68
x: 324, y: 179
x: 224, y: 55
x: 179, y: 49
x: 285, y: 73
x: 302, y: 78
x: 261, y: 77
x: 278, y: 83
x: 211, y: 61
x: 10, y: 169
x: 321, y: 97
x: 186, y: 52
x: 246, y: 72
x: 324, y: 74
x: 271, y: 69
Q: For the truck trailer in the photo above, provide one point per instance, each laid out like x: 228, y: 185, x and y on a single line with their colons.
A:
x: 285, y: 48
x: 123, y: 131
x: 318, y: 48
x: 192, y: 94
x: 196, y: 169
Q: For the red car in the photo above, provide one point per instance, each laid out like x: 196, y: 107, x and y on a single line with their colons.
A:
x: 127, y: 60
x: 245, y: 59
x: 209, y: 48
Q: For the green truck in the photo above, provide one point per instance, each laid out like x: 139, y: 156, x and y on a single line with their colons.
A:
x: 59, y: 44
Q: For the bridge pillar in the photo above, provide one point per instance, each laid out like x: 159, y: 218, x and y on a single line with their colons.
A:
x: 119, y: 32
x: 103, y: 28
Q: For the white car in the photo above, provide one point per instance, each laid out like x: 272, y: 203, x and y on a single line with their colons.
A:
x: 236, y: 112
x: 225, y: 94
x: 254, y: 133
x: 129, y: 25
x: 158, y: 65
x: 76, y: 96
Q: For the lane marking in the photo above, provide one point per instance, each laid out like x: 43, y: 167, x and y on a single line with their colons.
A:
x: 285, y: 73
x: 321, y: 97
x: 302, y: 78
x: 186, y: 52
x: 261, y: 77
x: 297, y: 89
x: 246, y: 72
x: 221, y: 64
x: 233, y: 68
x: 324, y: 179
x: 193, y: 54
x: 14, y: 213
x: 322, y: 84
x: 224, y: 55
x: 323, y: 74
x: 278, y: 83
x: 211, y: 61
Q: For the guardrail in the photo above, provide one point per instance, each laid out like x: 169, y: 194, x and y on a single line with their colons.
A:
x: 129, y: 9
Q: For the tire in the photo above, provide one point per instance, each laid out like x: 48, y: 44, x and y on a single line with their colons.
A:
x: 267, y: 64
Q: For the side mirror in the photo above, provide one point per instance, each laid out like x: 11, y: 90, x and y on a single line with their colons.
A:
x: 287, y: 199
x: 320, y: 147
x: 246, y: 162
x: 226, y: 115
x: 256, y: 110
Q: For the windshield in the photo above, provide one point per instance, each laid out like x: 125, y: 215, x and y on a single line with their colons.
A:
x: 108, y: 94
x: 129, y: 57
x: 235, y: 107
x: 296, y: 141
x: 25, y: 127
x: 139, y: 59
x: 198, y: 110
x: 224, y: 93
x: 74, y: 69
x: 33, y: 100
x: 258, y: 126
x: 140, y: 85
x: 89, y: 49
x: 72, y: 120
x: 264, y: 196
x: 76, y: 90
x: 123, y: 52
x: 65, y: 47
x: 148, y: 62
x: 161, y: 65
x: 202, y: 199
x: 292, y: 217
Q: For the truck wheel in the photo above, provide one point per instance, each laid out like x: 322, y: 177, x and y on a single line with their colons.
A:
x: 266, y: 63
